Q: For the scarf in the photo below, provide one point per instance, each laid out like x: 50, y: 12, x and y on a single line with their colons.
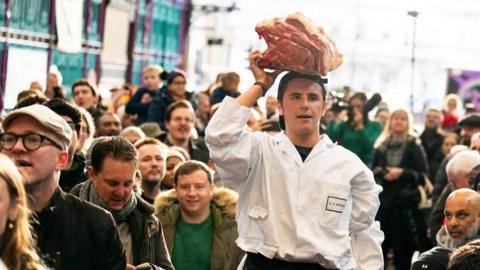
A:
x: 88, y: 193
x: 394, y: 149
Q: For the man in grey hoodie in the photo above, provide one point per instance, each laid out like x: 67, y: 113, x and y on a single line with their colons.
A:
x: 462, y: 220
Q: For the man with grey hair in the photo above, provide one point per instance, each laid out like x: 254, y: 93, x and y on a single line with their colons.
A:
x: 132, y: 133
x: 71, y: 234
x: 459, y: 169
x: 462, y: 219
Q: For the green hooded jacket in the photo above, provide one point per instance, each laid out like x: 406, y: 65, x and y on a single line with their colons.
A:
x: 225, y: 253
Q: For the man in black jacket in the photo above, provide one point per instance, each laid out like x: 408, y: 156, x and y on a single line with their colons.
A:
x: 112, y: 170
x: 432, y: 140
x: 72, y: 234
x: 462, y: 217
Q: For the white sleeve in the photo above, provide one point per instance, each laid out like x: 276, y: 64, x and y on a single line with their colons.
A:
x: 230, y: 144
x: 366, y: 235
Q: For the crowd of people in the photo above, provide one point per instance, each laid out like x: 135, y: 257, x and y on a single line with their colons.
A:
x: 160, y: 177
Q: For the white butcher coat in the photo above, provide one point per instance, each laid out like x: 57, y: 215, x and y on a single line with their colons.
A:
x: 321, y: 210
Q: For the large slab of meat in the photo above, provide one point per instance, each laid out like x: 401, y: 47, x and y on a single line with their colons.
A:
x: 295, y: 44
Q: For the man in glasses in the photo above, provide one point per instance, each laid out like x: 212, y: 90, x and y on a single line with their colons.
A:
x: 71, y: 233
x: 75, y: 172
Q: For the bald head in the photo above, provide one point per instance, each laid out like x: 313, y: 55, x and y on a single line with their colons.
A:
x: 462, y: 216
x: 465, y: 196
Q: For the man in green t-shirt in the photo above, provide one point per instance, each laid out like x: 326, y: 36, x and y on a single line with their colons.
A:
x: 199, y: 220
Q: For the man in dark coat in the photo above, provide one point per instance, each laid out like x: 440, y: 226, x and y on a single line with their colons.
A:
x: 112, y: 170
x: 432, y: 140
x: 72, y: 234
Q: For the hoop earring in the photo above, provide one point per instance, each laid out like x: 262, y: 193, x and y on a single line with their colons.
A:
x: 10, y: 225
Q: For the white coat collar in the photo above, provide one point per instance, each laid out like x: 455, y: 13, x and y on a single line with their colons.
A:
x: 288, y: 147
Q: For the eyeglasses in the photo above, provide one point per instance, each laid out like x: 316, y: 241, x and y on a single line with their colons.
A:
x: 179, y: 83
x: 30, y: 141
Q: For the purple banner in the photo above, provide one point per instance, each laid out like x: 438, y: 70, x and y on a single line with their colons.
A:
x: 466, y: 84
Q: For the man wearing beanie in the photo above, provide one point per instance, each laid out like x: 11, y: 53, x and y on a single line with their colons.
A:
x: 71, y: 234
x: 304, y: 202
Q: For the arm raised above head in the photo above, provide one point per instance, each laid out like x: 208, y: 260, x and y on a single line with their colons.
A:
x: 266, y: 79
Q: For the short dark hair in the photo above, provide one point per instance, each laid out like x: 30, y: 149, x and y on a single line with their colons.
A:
x: 170, y: 76
x: 84, y: 82
x: 31, y: 100
x: 178, y: 104
x: 282, y: 86
x: 192, y: 166
x: 63, y: 108
x: 466, y: 257
x: 115, y: 147
x: 98, y: 114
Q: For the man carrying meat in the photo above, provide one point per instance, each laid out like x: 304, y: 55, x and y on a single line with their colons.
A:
x: 304, y: 202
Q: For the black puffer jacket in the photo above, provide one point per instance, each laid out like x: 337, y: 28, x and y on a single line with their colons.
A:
x: 74, y: 234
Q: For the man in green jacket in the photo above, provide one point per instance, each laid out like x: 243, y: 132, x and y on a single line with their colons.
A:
x: 199, y: 220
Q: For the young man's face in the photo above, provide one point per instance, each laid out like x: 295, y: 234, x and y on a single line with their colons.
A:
x: 433, y: 119
x: 84, y: 97
x: 37, y: 165
x: 108, y: 125
x: 194, y: 192
x: 151, y: 80
x: 152, y: 162
x: 114, y: 182
x: 302, y: 106
x: 461, y: 219
x: 180, y: 124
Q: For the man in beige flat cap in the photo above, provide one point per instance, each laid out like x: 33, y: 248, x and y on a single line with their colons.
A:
x: 72, y: 234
